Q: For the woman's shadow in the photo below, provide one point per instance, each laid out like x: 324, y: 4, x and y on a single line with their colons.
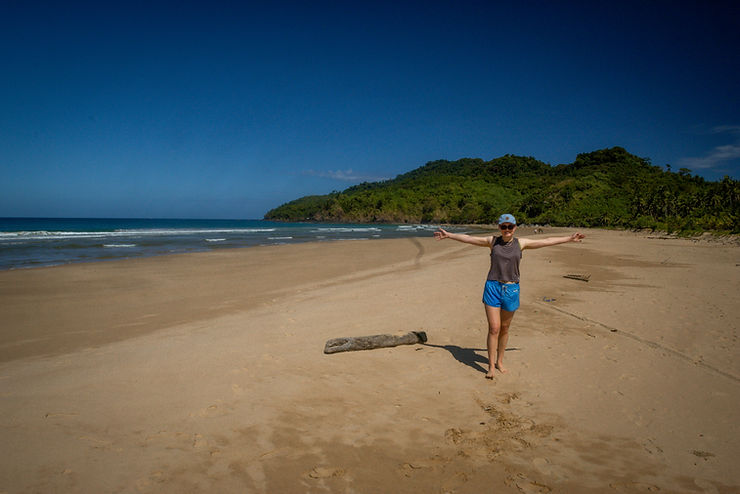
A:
x: 465, y: 356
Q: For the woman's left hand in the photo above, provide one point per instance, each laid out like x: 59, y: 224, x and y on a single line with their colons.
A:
x: 576, y: 237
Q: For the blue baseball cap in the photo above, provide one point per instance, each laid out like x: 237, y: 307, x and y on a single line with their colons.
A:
x: 506, y: 218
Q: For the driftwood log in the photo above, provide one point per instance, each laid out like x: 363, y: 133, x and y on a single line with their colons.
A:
x: 355, y: 343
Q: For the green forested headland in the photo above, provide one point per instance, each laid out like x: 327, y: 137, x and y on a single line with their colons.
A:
x: 605, y: 188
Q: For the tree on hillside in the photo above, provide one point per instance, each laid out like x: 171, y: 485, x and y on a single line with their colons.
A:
x: 604, y: 188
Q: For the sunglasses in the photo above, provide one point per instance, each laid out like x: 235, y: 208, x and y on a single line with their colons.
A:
x: 507, y: 227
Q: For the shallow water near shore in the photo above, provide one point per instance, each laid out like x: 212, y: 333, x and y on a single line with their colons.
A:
x: 35, y: 242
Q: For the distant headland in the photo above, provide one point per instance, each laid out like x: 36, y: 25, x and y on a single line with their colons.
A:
x: 604, y: 188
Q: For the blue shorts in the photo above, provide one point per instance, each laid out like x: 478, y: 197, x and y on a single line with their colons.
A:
x: 504, y: 295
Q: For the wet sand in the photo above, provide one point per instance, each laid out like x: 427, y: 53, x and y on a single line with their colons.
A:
x: 205, y: 372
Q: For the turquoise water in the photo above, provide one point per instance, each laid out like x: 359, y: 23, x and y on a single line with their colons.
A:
x: 32, y: 242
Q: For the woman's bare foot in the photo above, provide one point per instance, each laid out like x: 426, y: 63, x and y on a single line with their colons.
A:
x: 501, y: 368
x: 490, y: 373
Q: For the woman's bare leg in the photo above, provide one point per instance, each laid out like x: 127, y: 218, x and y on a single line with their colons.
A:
x: 505, y: 318
x: 493, y: 314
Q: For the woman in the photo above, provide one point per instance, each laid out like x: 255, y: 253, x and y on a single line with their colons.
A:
x: 501, y: 293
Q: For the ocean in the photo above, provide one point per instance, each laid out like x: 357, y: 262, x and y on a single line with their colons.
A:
x: 35, y: 242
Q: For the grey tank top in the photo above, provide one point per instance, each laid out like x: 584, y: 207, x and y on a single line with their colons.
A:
x: 505, y: 260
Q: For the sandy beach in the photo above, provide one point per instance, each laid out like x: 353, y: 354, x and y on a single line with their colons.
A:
x: 205, y: 372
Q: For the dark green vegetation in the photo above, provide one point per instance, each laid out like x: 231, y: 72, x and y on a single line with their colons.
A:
x: 605, y: 188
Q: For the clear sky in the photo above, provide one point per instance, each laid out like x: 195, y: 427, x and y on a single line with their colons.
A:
x: 228, y: 109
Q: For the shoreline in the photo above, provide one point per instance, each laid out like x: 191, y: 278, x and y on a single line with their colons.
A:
x: 39, y: 242
x: 205, y: 372
x: 711, y: 237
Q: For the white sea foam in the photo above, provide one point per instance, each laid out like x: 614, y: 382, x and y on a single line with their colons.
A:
x: 44, y: 235
x: 189, y: 231
x: 61, y: 235
x: 413, y: 228
x: 347, y: 230
x: 279, y: 238
x: 119, y: 245
x: 215, y: 239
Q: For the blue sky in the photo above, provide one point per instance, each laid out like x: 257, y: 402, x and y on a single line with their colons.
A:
x: 228, y: 109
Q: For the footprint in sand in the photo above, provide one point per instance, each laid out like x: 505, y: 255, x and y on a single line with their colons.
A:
x: 531, y: 487
x: 174, y: 438
x: 325, y: 473
x: 454, y: 435
x: 542, y: 465
x: 454, y: 483
x: 410, y: 469
x: 509, y: 397
x: 632, y: 487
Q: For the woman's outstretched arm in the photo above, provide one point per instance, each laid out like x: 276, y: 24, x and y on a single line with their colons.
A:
x: 461, y: 237
x: 530, y: 243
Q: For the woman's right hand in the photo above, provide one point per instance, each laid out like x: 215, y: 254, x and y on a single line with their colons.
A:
x: 441, y: 234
